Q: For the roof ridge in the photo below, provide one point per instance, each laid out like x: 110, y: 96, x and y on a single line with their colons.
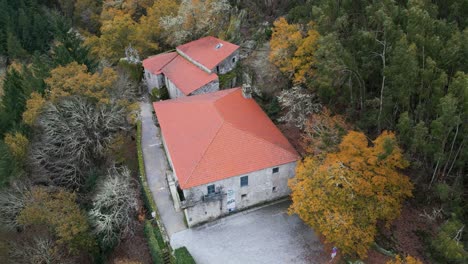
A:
x: 164, y: 66
x: 243, y: 130
x: 207, y: 147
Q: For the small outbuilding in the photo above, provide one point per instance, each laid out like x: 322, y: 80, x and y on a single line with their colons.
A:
x: 193, y: 68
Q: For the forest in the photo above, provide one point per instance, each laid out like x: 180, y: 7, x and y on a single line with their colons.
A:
x: 373, y: 94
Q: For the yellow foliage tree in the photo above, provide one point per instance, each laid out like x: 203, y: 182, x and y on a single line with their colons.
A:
x: 345, y: 195
x: 58, y: 211
x: 407, y: 260
x: 148, y: 31
x: 117, y: 33
x: 292, y: 50
x: 17, y: 144
x: 74, y: 79
x: 33, y: 108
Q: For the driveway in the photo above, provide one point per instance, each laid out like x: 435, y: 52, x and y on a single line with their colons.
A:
x: 267, y: 235
x: 156, y: 166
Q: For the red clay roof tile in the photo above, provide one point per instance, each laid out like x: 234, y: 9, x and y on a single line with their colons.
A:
x: 208, y: 51
x: 215, y: 136
x: 154, y: 64
x: 186, y: 76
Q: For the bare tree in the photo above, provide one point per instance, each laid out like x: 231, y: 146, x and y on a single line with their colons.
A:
x: 74, y: 134
x: 298, y: 104
x: 196, y: 19
x: 38, y: 250
x: 114, y: 207
x: 12, y: 202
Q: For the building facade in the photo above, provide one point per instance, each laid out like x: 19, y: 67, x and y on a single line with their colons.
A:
x: 192, y: 69
x: 225, y: 153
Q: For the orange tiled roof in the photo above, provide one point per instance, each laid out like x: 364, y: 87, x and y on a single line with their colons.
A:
x: 208, y: 51
x: 215, y: 136
x: 154, y: 64
x: 186, y: 76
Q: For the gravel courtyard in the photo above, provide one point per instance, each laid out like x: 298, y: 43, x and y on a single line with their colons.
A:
x: 267, y: 235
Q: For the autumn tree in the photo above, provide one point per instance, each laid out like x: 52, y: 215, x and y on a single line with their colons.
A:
x: 292, y: 50
x: 18, y: 145
x: 33, y: 108
x: 407, y: 260
x: 58, y: 210
x: 74, y: 79
x: 344, y: 195
x: 323, y: 132
x: 149, y: 32
x: 195, y: 19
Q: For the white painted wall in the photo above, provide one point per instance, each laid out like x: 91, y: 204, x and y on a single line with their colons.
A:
x: 259, y: 190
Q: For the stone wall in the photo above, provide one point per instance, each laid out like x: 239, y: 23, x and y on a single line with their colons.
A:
x: 174, y: 92
x: 263, y: 186
x: 207, y: 88
x: 228, y: 64
x: 153, y: 80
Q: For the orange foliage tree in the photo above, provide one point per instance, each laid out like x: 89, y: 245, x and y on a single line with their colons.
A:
x: 344, y: 195
x: 407, y: 260
x: 292, y: 50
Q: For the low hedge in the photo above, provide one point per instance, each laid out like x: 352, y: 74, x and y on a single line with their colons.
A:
x: 145, y: 190
x: 182, y: 256
x: 155, y: 250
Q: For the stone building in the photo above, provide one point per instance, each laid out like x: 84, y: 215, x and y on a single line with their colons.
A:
x: 193, y: 68
x: 225, y: 154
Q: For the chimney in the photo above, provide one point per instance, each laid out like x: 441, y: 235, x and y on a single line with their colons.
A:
x: 247, y: 91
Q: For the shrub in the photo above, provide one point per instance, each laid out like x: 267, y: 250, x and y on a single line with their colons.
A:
x: 134, y: 70
x: 158, y: 94
x: 447, y: 245
x: 183, y: 256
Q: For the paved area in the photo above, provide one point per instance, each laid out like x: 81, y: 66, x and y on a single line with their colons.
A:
x: 267, y: 235
x: 156, y: 166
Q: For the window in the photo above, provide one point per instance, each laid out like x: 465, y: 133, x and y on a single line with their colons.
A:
x: 244, y: 181
x: 217, y: 69
x: 243, y: 196
x: 211, y: 189
x: 276, y: 170
x: 273, y: 189
x: 233, y: 59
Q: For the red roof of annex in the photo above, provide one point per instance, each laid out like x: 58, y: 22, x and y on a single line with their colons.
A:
x: 215, y: 136
x: 154, y: 64
x: 208, y: 51
x: 186, y: 76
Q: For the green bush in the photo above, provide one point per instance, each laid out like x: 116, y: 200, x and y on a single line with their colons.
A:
x: 158, y: 94
x: 155, y: 250
x: 447, y: 245
x: 134, y: 70
x: 183, y: 256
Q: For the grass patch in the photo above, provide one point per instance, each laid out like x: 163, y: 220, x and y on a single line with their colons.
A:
x: 183, y: 256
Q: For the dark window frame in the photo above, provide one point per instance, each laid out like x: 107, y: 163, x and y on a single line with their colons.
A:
x: 211, y: 189
x: 275, y: 170
x: 244, y: 181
